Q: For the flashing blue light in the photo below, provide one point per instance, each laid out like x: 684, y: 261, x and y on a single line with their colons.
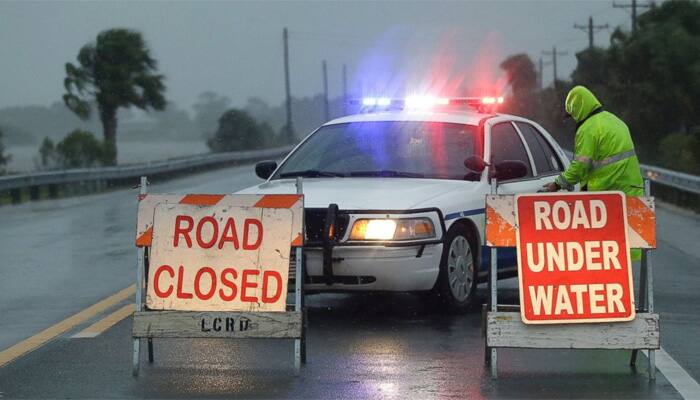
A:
x: 383, y: 101
x: 369, y: 102
x: 376, y: 101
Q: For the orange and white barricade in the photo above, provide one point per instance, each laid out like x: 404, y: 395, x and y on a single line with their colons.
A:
x: 574, y: 273
x: 218, y: 266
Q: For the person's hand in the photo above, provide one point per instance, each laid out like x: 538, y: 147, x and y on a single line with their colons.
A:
x: 550, y: 187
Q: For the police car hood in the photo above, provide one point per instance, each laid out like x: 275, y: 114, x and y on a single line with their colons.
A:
x: 365, y: 193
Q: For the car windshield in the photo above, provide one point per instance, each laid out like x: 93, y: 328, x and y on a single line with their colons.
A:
x: 412, y: 149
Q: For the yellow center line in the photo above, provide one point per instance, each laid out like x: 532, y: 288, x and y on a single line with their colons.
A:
x: 41, y: 338
x: 105, y: 323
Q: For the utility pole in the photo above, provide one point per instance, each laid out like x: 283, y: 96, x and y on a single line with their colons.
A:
x: 540, y: 73
x: 590, y: 28
x: 554, y: 55
x: 345, y: 90
x: 633, y: 5
x: 325, y: 91
x: 288, y: 103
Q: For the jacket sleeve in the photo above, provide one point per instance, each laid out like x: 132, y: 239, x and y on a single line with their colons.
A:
x: 584, y: 149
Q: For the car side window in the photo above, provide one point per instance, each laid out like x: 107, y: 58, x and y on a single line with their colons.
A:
x: 536, y: 150
x: 507, y: 145
x: 553, y: 162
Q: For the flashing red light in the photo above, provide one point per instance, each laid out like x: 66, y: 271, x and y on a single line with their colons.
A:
x: 492, y: 100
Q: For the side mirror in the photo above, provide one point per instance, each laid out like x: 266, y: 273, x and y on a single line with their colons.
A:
x: 475, y: 163
x: 264, y: 169
x: 509, y: 169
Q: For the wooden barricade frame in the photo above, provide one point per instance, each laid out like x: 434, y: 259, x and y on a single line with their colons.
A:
x: 150, y: 324
x: 503, y: 326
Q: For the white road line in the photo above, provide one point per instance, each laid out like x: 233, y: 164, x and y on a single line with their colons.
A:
x: 679, y: 378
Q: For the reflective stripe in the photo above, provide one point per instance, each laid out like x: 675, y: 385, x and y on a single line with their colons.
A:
x: 584, y: 160
x: 561, y: 181
x: 617, y: 157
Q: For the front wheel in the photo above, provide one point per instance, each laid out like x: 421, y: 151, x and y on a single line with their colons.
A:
x: 456, y: 283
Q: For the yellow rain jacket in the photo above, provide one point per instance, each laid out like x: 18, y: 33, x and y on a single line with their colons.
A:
x: 604, y: 157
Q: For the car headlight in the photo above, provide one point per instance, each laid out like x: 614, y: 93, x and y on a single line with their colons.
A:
x: 393, y: 229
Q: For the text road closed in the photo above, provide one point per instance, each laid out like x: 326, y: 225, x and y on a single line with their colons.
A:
x: 220, y: 258
x: 573, y: 259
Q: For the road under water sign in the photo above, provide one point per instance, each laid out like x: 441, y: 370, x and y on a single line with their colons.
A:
x: 573, y: 258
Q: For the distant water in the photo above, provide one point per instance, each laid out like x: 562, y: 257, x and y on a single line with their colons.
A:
x: 25, y: 158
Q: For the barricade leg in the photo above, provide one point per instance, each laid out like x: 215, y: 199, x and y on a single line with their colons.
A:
x: 139, y: 287
x: 484, y: 321
x: 150, y: 350
x: 297, y: 354
x: 649, y: 286
x: 493, y: 303
x: 136, y: 357
x: 304, y: 316
x: 140, y: 268
x: 642, y: 300
x: 300, y: 343
x: 650, y: 308
x: 303, y: 336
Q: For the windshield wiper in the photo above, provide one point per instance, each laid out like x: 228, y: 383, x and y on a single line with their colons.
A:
x: 311, y: 173
x: 388, y: 173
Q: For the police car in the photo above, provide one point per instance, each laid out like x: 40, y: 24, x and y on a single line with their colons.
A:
x: 394, y: 195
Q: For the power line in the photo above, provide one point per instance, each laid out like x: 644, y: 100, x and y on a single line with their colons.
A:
x: 633, y: 6
x: 288, y: 103
x: 554, y: 53
x: 539, y: 72
x: 591, y: 29
x: 325, y: 91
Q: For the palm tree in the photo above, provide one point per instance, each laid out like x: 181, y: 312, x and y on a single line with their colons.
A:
x: 115, y: 71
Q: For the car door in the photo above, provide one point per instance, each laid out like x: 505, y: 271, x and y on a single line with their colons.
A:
x: 504, y: 142
x: 547, y: 164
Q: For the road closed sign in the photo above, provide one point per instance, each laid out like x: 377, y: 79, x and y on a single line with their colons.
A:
x: 573, y: 258
x: 220, y: 257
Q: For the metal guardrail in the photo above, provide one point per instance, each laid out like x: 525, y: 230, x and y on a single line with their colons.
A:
x: 20, y: 181
x: 662, y: 176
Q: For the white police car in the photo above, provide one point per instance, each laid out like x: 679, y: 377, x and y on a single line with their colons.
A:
x: 394, y: 195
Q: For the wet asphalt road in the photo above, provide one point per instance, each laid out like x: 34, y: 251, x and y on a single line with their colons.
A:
x: 61, y: 256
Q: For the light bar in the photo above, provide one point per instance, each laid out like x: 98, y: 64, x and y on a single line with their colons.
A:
x: 376, y: 101
x: 369, y: 101
x: 383, y: 101
x: 425, y: 101
x: 492, y: 100
x: 482, y: 104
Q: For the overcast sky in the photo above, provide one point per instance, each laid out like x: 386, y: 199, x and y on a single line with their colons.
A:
x: 235, y: 48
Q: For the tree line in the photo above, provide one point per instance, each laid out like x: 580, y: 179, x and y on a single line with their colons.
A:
x: 650, y: 78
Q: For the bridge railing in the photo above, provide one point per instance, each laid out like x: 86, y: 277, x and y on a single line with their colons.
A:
x: 52, y: 179
x: 666, y: 177
x: 678, y: 181
x: 676, y: 187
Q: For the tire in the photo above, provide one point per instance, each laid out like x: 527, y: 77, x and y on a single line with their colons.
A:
x: 456, y: 284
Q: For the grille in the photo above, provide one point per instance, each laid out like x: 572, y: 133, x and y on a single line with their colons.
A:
x: 315, y: 220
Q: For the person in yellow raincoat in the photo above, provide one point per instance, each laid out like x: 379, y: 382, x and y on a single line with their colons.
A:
x: 604, y: 157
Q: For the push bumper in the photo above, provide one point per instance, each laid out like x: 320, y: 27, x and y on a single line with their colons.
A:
x: 372, y: 268
x: 332, y: 264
